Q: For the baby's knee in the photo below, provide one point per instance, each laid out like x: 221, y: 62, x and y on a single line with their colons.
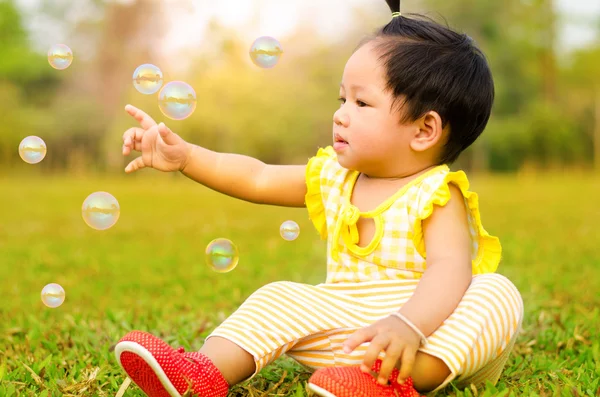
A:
x: 274, y: 289
x: 501, y: 297
x: 500, y: 286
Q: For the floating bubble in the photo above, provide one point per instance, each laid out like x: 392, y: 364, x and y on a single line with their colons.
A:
x: 53, y: 295
x: 147, y: 79
x: 289, y: 230
x: 100, y: 210
x: 265, y: 52
x: 222, y: 255
x: 177, y: 100
x: 32, y: 149
x: 60, y: 56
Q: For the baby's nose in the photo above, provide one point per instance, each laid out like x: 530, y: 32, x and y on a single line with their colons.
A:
x: 340, y: 118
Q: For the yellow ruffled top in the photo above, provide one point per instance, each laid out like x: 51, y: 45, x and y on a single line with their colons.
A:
x: 397, y: 249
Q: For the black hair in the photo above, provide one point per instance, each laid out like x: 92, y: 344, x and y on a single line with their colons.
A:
x: 431, y: 67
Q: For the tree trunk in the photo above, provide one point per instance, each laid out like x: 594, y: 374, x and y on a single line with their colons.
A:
x: 548, y: 56
x: 596, y: 132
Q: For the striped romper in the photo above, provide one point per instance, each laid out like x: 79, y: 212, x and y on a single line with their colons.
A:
x: 364, y: 284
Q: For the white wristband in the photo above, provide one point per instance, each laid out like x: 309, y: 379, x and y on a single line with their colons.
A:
x: 412, y: 326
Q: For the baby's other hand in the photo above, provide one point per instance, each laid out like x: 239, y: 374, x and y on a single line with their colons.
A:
x: 160, y: 147
x: 391, y: 335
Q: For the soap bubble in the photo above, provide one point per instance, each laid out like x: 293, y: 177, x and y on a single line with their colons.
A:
x: 53, y: 295
x: 100, y: 210
x: 222, y: 255
x: 147, y: 79
x: 265, y: 52
x: 289, y: 230
x: 32, y: 149
x: 60, y: 56
x: 177, y: 100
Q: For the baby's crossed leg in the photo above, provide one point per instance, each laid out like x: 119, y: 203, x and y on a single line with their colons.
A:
x: 275, y: 320
x: 310, y: 323
x: 315, y: 351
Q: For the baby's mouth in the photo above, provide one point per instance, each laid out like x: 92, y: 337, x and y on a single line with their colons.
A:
x: 339, y: 144
x: 337, y: 138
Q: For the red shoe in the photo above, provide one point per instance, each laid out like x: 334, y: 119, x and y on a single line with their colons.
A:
x: 161, y: 371
x: 352, y: 382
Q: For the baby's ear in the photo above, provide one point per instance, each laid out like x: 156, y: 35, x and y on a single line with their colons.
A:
x: 429, y: 132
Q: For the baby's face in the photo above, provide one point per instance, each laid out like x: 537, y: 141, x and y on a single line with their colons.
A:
x: 367, y: 134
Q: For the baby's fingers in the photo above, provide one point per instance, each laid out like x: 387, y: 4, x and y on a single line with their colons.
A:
x: 141, y: 116
x: 406, y: 364
x: 132, y: 139
x: 358, y: 338
x: 135, y: 165
x: 392, y: 354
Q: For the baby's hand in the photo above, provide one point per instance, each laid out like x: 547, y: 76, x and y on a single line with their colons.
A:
x: 393, y: 336
x: 161, y: 148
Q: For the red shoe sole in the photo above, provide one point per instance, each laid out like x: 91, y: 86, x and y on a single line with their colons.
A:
x: 144, y: 370
x: 319, y: 391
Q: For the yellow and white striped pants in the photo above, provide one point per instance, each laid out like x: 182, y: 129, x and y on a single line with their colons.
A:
x: 309, y: 323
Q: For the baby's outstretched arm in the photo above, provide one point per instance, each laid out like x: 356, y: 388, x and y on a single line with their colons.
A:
x: 235, y: 175
x: 247, y: 178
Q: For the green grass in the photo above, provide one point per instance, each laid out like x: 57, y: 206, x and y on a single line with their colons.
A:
x: 148, y: 272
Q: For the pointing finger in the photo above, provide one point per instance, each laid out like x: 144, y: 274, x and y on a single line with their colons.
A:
x: 141, y: 116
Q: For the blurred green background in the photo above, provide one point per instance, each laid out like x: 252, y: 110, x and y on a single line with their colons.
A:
x: 544, y: 58
x: 535, y: 168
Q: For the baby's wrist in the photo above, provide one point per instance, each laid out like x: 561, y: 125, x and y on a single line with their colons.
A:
x: 189, y: 153
x: 412, y: 326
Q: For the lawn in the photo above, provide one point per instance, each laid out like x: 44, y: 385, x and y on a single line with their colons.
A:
x: 148, y: 272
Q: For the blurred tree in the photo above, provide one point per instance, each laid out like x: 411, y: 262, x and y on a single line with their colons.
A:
x: 529, y: 119
x: 580, y: 82
x: 26, y: 83
x: 130, y: 36
x: 110, y: 40
x: 18, y: 63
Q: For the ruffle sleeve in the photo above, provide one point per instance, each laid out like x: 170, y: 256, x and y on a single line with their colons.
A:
x: 487, y: 250
x: 314, y: 197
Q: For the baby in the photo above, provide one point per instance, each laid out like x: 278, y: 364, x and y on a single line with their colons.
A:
x: 411, y: 300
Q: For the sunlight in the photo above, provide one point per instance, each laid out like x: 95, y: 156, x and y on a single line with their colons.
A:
x: 189, y: 20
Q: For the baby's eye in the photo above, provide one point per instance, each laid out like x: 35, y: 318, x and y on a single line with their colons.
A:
x: 359, y: 103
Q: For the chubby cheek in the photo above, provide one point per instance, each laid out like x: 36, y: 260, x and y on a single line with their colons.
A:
x: 370, y: 146
x: 358, y: 154
x: 389, y: 142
